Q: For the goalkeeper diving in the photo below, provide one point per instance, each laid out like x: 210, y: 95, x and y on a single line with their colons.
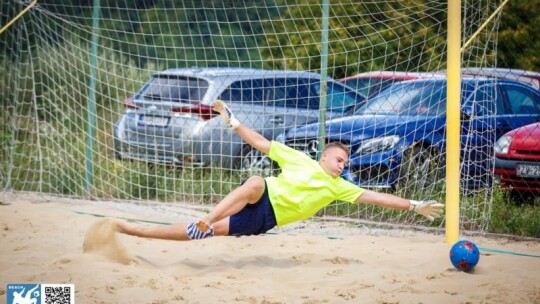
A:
x: 303, y: 187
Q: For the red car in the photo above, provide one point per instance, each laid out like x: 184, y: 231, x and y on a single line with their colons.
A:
x: 517, y: 161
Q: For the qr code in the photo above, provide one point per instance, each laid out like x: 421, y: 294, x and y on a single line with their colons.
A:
x: 58, y: 293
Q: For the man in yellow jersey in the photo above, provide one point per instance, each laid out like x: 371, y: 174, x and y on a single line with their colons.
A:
x: 303, y: 187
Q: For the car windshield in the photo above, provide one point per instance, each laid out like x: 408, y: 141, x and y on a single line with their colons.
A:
x: 176, y: 89
x: 338, y: 98
x: 369, y: 86
x: 299, y: 93
x: 409, y: 98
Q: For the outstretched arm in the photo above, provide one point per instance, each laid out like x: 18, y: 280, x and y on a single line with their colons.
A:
x: 429, y: 209
x: 383, y: 199
x: 253, y: 138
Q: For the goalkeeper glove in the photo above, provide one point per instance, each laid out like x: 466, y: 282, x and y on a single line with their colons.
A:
x: 429, y: 209
x: 226, y: 114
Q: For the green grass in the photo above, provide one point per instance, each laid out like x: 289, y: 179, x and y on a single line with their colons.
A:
x: 514, y: 217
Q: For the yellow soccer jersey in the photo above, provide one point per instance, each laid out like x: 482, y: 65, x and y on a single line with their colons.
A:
x: 303, y: 188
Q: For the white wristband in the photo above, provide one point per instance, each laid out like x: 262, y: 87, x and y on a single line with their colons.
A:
x: 413, y: 205
x: 234, y: 123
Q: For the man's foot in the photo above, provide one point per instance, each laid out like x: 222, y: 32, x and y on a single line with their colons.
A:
x: 121, y: 226
x: 202, y: 225
x: 194, y: 233
x: 126, y: 227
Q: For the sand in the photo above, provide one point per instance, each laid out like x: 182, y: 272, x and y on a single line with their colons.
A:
x: 58, y: 241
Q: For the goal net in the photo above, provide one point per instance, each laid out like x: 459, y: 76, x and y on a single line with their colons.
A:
x: 113, y: 101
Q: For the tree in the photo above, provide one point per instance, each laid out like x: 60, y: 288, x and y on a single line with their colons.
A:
x: 519, y: 38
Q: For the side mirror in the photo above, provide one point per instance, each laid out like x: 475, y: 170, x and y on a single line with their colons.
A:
x: 471, y: 110
x: 467, y: 112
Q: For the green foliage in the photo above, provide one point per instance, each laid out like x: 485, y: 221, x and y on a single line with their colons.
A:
x: 513, y: 217
x: 519, y: 38
x: 146, y: 181
x: 202, y: 38
x: 49, y: 141
x: 5, y: 146
x: 276, y: 35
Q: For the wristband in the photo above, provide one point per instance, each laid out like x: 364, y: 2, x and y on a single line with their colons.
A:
x: 234, y: 123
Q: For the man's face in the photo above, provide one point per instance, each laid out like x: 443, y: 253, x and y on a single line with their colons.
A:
x: 333, y: 161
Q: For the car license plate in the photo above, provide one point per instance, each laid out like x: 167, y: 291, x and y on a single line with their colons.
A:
x: 158, y: 121
x: 528, y: 170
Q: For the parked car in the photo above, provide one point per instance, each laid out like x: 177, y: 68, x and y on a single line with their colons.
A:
x: 517, y: 161
x: 398, y: 137
x: 170, y: 119
x: 372, y: 83
x: 529, y: 77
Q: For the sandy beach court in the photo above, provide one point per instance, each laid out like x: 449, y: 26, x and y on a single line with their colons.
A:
x: 42, y: 242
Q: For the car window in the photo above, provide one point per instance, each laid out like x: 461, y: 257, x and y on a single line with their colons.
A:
x: 338, y: 97
x: 176, y: 89
x: 522, y: 101
x: 281, y: 92
x: 369, y: 86
x: 275, y: 91
x: 245, y: 91
x: 298, y: 93
x: 308, y: 98
x: 484, y: 97
x: 408, y: 99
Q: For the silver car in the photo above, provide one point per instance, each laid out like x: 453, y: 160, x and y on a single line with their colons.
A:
x: 170, y: 119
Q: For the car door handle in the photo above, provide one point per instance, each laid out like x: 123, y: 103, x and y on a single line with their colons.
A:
x: 277, y: 119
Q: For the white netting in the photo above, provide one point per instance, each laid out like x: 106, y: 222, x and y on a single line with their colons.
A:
x: 75, y: 120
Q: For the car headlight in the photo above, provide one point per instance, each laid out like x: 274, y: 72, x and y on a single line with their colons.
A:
x: 378, y: 144
x: 503, y: 144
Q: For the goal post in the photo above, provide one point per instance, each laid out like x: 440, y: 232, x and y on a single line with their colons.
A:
x: 19, y: 15
x: 453, y: 111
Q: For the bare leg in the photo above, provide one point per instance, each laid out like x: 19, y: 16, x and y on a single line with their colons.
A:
x: 248, y: 193
x: 176, y: 232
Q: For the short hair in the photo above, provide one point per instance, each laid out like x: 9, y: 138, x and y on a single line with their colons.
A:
x: 337, y: 144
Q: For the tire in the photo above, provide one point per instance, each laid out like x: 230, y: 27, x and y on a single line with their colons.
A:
x: 117, y: 151
x: 117, y: 155
x: 420, y: 170
x: 254, y: 162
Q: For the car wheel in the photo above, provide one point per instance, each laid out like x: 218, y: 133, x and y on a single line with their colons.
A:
x: 116, y: 151
x: 254, y: 162
x: 420, y: 170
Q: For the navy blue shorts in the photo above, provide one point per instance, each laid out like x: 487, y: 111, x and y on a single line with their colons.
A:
x: 254, y: 218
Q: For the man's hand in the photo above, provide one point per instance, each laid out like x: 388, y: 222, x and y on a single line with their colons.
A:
x: 429, y: 209
x: 226, y: 114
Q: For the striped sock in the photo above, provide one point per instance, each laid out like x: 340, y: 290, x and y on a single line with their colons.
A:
x: 195, y: 233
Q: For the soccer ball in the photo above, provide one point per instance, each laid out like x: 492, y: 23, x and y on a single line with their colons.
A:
x: 464, y: 255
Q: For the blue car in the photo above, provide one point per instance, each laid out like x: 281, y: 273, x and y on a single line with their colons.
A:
x: 397, y: 139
